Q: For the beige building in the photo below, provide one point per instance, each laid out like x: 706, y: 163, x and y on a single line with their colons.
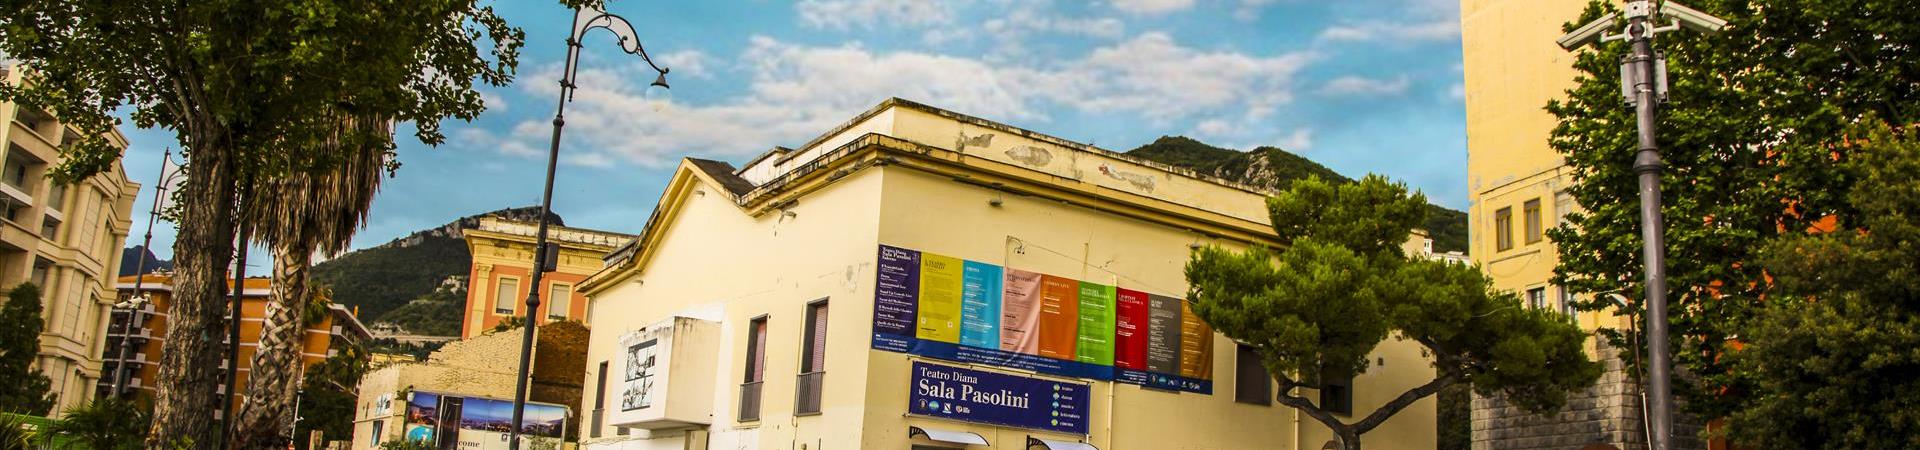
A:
x: 455, y: 394
x: 64, y: 238
x: 919, y: 278
x: 1519, y: 186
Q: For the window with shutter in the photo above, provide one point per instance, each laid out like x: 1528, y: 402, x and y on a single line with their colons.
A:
x: 756, y: 370
x: 813, y: 364
x: 504, y: 291
x: 559, y: 301
x: 599, y: 400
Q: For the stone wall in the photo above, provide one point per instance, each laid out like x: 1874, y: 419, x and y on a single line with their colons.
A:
x: 1609, y: 412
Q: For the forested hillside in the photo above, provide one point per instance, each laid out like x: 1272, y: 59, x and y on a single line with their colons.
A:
x: 1272, y: 168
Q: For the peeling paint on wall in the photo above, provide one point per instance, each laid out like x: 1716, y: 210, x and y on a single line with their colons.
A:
x: 982, y: 141
x: 1141, y: 181
x: 1031, y: 155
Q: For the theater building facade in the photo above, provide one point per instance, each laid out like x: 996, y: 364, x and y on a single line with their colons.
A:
x: 918, y: 278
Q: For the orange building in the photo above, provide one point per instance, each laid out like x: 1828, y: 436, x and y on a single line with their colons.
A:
x: 503, y: 253
x: 324, y: 339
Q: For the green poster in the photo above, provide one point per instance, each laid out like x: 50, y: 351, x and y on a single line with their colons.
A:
x: 941, y: 278
x: 1096, y: 324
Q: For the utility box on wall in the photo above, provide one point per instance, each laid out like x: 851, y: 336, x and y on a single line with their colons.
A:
x: 665, y: 375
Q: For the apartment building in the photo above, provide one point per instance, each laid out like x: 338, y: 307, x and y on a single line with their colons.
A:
x: 145, y: 337
x: 65, y: 238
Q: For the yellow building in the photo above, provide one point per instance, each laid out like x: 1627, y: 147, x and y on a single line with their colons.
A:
x: 65, y: 239
x: 503, y: 261
x: 919, y: 278
x: 1519, y: 186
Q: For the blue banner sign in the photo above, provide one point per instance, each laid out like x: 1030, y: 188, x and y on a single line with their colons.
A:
x: 998, y: 399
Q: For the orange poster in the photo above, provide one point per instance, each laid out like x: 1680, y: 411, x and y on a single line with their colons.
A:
x: 1196, y: 345
x: 1059, y: 316
x: 1020, y: 312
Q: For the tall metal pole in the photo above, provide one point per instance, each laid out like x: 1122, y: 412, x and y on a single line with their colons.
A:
x: 531, y: 317
x: 584, y: 19
x: 140, y: 275
x: 1646, y: 163
x: 233, y: 333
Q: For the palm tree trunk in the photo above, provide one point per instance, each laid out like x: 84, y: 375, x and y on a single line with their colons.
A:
x: 184, y: 390
x: 273, y: 381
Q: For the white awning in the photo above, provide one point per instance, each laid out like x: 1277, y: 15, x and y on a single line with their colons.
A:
x: 947, y: 436
x: 1050, y: 444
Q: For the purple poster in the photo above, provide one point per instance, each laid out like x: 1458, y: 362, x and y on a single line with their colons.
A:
x: 897, y: 293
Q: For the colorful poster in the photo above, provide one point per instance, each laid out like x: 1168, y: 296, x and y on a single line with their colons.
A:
x: 1196, y: 345
x: 1000, y: 399
x: 1130, y: 329
x: 1059, y: 316
x: 1163, y: 334
x: 940, y: 284
x: 947, y: 308
x: 1020, y: 313
x: 1094, y: 343
x: 980, y: 305
x: 896, y: 293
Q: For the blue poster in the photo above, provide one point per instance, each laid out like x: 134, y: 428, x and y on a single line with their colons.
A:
x: 998, y: 399
x: 980, y: 305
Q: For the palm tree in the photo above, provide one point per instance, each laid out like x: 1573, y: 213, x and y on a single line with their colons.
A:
x: 316, y: 206
x: 105, y: 423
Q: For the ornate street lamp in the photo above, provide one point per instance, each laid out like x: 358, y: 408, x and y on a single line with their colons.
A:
x: 584, y: 20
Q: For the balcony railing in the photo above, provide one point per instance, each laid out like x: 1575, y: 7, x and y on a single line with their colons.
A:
x: 750, y: 401
x: 806, y: 398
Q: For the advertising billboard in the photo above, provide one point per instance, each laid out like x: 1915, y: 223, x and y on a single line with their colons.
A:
x: 452, y: 422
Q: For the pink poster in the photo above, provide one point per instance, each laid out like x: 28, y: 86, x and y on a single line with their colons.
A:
x: 1020, y: 312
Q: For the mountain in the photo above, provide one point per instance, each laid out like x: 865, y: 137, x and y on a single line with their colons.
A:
x: 1274, y: 169
x: 130, y: 258
x: 381, y: 279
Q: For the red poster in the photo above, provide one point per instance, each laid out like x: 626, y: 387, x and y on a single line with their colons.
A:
x: 1130, y: 330
x: 1020, y: 312
x: 1059, y: 316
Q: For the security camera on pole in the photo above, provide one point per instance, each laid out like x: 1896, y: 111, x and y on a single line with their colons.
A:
x: 1643, y: 83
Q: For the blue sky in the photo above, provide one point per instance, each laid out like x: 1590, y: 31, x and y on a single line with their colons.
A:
x: 1358, y: 85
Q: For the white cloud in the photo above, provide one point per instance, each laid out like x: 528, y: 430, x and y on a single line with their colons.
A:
x: 494, y: 102
x: 1457, y: 92
x: 1435, y: 30
x: 688, y: 63
x: 1298, y: 141
x: 1157, y: 78
x: 848, y: 14
x: 1151, y: 6
x: 1362, y: 86
x: 796, y: 91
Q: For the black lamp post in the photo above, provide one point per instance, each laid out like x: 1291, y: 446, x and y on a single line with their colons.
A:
x: 584, y: 20
x: 1643, y: 81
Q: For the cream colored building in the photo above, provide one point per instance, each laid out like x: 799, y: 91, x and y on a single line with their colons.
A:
x: 753, y: 310
x: 1519, y: 186
x: 64, y: 238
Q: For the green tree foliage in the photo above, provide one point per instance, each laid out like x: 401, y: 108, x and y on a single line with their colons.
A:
x: 1831, y: 358
x: 328, y: 395
x: 435, y: 314
x: 1751, y: 135
x: 27, y: 391
x: 1274, y: 169
x: 381, y: 279
x: 100, y: 424
x: 13, y: 433
x: 1315, y: 309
